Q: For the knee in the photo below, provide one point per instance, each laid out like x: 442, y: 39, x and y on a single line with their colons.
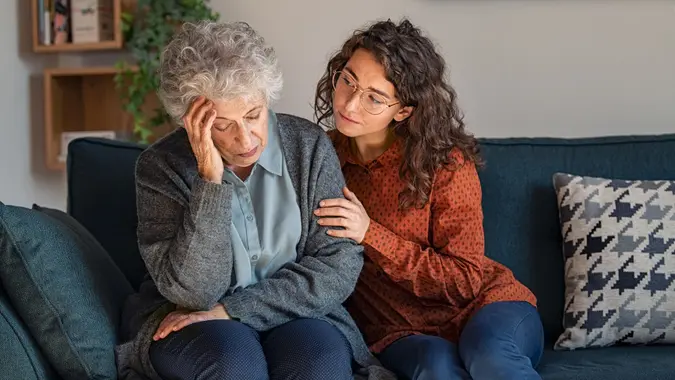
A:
x: 423, y: 357
x: 502, y: 329
x: 435, y: 359
x: 319, y: 351
x: 331, y: 360
x: 211, y: 349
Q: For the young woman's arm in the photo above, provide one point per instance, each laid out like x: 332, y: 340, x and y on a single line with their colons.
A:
x: 450, y: 269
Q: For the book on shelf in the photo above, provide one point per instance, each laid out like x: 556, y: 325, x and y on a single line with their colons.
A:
x: 75, y: 21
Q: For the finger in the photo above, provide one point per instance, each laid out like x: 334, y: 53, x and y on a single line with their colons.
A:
x: 339, y: 202
x: 192, y: 318
x: 199, y: 118
x: 207, y: 125
x: 166, y: 321
x: 334, y: 222
x: 170, y: 327
x: 340, y: 233
x: 161, y: 330
x: 335, y: 211
x: 187, y: 118
x: 351, y: 196
x: 167, y: 324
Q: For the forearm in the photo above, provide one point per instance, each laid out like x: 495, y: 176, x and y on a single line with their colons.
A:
x: 427, y: 273
x: 309, y: 288
x: 187, y: 249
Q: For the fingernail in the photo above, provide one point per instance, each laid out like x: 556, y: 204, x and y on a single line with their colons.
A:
x: 322, y: 203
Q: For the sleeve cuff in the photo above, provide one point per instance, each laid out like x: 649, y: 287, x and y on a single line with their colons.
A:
x: 236, y: 306
x: 208, y: 198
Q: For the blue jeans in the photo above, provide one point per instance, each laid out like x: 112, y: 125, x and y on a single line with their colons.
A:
x: 303, y: 349
x: 502, y: 341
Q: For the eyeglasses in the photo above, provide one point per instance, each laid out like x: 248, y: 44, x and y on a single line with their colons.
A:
x: 345, y: 84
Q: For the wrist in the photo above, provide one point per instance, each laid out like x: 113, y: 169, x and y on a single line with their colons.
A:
x: 220, y: 310
x: 211, y: 177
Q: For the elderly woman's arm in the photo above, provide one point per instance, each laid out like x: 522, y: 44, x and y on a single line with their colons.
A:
x: 183, y: 233
x: 325, y: 276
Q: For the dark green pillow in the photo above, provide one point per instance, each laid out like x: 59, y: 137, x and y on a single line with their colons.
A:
x: 21, y: 357
x: 65, y: 287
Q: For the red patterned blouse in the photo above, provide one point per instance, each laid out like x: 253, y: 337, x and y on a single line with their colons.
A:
x: 425, y: 271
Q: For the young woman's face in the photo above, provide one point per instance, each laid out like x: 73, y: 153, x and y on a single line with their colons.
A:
x: 364, y: 101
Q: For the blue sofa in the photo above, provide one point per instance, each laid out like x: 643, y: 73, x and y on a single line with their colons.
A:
x: 521, y: 227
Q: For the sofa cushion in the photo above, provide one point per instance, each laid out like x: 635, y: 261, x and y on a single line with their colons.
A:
x: 521, y: 223
x: 101, y: 182
x: 619, y: 245
x: 20, y: 352
x: 613, y: 363
x: 65, y: 287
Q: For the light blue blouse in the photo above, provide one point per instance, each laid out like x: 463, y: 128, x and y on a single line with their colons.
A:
x: 266, y: 223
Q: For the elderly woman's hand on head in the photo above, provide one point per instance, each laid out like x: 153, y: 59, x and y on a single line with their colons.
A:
x: 198, y: 122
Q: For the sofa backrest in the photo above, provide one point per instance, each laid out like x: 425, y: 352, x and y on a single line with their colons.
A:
x: 102, y: 197
x: 522, y: 228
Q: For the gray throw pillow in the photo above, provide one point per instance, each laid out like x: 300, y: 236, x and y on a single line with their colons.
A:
x: 619, y: 252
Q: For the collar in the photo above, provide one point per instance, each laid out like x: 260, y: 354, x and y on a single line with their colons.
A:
x: 271, y: 158
x: 342, y: 143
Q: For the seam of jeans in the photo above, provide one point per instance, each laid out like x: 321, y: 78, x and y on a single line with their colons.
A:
x: 513, y: 334
x: 541, y: 353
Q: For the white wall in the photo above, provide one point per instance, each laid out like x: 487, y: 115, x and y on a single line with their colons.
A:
x: 23, y: 178
x: 522, y: 68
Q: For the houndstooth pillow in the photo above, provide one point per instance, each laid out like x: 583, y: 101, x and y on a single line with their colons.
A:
x: 619, y: 251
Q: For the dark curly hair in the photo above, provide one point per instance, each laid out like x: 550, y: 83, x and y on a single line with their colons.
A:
x: 435, y: 126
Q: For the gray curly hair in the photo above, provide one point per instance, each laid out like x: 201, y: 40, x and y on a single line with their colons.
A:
x: 222, y: 61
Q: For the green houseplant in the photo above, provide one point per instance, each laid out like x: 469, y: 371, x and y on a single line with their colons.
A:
x: 146, y: 30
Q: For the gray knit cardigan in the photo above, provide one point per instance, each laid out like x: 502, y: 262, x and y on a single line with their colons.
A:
x: 183, y: 235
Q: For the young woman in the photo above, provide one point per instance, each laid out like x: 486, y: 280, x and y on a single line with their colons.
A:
x: 428, y: 301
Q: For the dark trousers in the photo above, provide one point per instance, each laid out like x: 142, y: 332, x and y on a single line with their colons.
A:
x: 303, y: 349
x: 502, y: 341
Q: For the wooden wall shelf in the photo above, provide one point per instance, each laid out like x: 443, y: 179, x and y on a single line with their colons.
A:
x: 84, y: 99
x: 115, y: 44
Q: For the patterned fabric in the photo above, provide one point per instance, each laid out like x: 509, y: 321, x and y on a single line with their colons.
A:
x: 425, y: 270
x: 302, y: 349
x: 619, y: 246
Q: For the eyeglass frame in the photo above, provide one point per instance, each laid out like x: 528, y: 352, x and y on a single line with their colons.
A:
x: 358, y: 88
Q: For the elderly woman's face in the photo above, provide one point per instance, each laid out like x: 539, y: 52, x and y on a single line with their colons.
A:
x: 240, y: 131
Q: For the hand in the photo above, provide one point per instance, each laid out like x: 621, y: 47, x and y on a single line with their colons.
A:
x: 198, y: 122
x: 348, y: 213
x: 180, y: 318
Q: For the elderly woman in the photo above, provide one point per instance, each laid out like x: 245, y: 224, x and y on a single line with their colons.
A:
x: 243, y: 282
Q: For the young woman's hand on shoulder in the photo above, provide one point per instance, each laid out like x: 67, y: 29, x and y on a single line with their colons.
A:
x: 346, y: 213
